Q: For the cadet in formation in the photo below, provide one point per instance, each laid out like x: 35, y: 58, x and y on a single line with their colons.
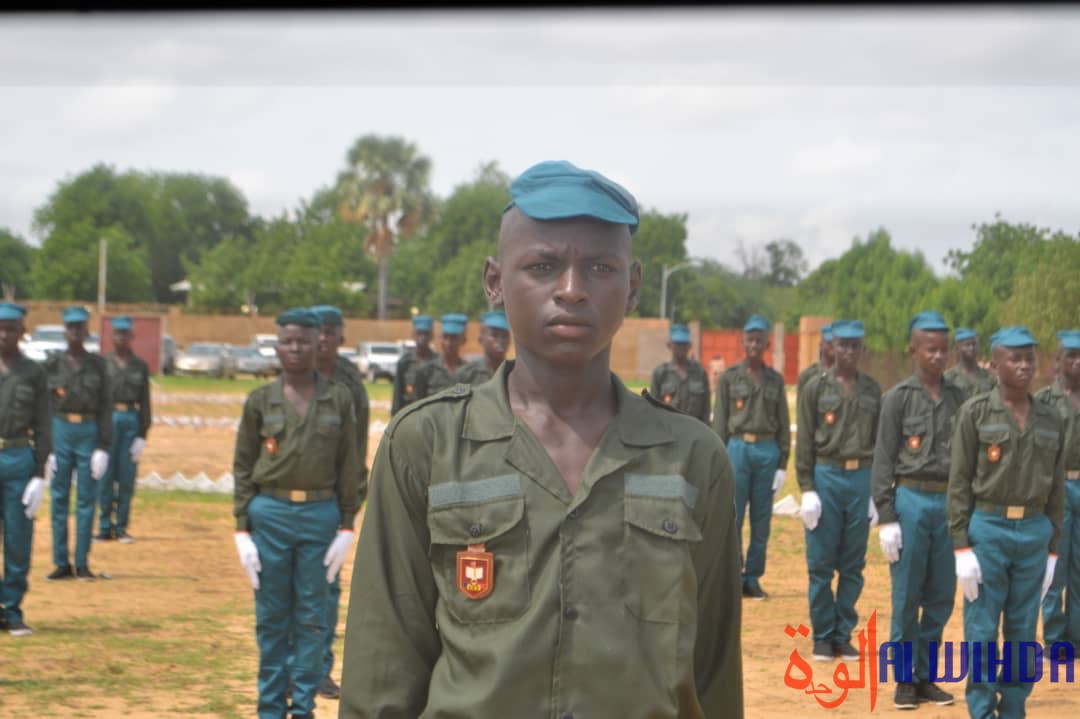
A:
x: 826, y: 358
x: 495, y: 341
x: 1061, y: 619
x: 25, y: 440
x: 751, y: 417
x: 834, y: 449
x: 129, y: 387
x: 297, y: 471
x: 82, y: 431
x: 967, y: 374
x: 410, y: 363
x: 682, y: 382
x: 526, y: 536
x: 441, y: 372
x: 909, y: 479
x: 1006, y: 503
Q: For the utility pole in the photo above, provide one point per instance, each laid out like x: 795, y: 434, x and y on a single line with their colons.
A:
x: 103, y: 252
x: 666, y: 272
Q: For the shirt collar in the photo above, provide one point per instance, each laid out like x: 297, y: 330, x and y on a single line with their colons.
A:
x: 277, y: 389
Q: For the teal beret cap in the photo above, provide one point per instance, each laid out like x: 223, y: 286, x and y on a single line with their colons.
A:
x: 679, y: 333
x: 965, y: 333
x: 496, y: 319
x: 1018, y: 336
x: 848, y: 330
x: 121, y: 322
x: 424, y: 323
x: 826, y: 332
x: 75, y: 314
x: 11, y: 311
x: 298, y: 316
x: 928, y: 321
x: 453, y: 323
x: 328, y: 315
x: 556, y: 189
x: 1069, y: 339
x: 756, y: 322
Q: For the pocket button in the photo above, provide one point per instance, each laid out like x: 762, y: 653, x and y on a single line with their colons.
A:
x: 475, y: 530
x: 670, y: 526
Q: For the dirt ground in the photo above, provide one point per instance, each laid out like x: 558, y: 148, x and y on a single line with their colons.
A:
x: 171, y: 632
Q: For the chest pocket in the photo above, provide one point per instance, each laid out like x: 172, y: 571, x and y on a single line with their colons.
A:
x: 740, y: 397
x: 660, y: 532
x: 1047, y: 444
x: 91, y: 385
x: 916, y: 439
x: 489, y: 512
x: 24, y: 405
x: 668, y: 389
x: 328, y: 425
x: 828, y: 416
x: 995, y: 448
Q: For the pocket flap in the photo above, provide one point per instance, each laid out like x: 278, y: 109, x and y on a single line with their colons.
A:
x: 463, y: 513
x: 915, y: 426
x: 272, y: 425
x: 993, y: 433
x: 829, y: 402
x: 664, y: 517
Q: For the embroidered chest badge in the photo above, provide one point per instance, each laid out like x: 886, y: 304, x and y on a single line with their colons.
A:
x: 993, y: 452
x: 408, y: 389
x: 475, y: 571
x: 60, y: 391
x: 271, y: 446
x: 830, y: 417
x: 740, y: 403
x: 914, y: 442
x: 667, y: 398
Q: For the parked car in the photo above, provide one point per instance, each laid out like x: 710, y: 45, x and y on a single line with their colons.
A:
x: 378, y: 359
x: 168, y: 355
x: 350, y: 354
x: 250, y: 361
x: 208, y: 358
x: 267, y: 347
x: 92, y: 343
x: 44, y: 340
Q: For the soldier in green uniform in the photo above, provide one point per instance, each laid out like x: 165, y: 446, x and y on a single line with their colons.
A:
x: 25, y: 440
x: 297, y: 472
x: 129, y: 384
x: 834, y: 449
x: 751, y: 417
x: 410, y: 363
x: 495, y: 340
x: 527, y: 535
x: 826, y: 358
x: 82, y: 434
x: 967, y: 374
x: 908, y: 481
x: 682, y: 382
x: 1006, y: 503
x: 442, y: 372
x: 1062, y: 623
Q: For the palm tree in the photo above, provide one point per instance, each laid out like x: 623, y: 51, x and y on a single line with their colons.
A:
x: 385, y: 188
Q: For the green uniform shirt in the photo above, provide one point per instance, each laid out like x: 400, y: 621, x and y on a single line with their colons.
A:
x: 689, y: 394
x: 476, y: 372
x: 807, y: 374
x: 24, y: 408
x: 1054, y: 396
x: 983, y: 381
x: 620, y: 601
x: 130, y: 384
x: 744, y: 406
x: 405, y: 380
x: 82, y: 389
x: 834, y: 426
x: 435, y: 376
x: 914, y: 439
x: 316, y: 451
x: 1029, y: 469
x: 347, y: 374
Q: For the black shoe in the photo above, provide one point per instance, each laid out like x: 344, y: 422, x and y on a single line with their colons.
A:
x: 105, y: 535
x: 930, y: 692
x: 19, y: 629
x: 844, y: 650
x: 83, y: 574
x: 61, y: 573
x: 124, y: 537
x: 823, y: 651
x: 329, y: 688
x: 905, y: 696
x: 754, y: 592
x: 3, y: 620
x: 303, y: 716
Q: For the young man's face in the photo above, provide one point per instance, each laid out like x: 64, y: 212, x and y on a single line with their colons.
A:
x: 296, y: 347
x: 75, y: 334
x: 10, y: 333
x: 847, y: 352
x: 1015, y: 367
x: 121, y: 340
x: 1069, y: 365
x: 451, y: 345
x: 565, y: 284
x: 828, y: 352
x: 968, y: 350
x: 679, y: 351
x: 330, y: 338
x: 422, y: 339
x: 496, y: 343
x: 754, y: 343
x: 930, y: 350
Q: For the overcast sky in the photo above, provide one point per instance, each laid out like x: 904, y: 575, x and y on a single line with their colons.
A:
x: 813, y: 125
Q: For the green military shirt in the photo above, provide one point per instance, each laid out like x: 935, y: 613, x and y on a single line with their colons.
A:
x: 983, y: 381
x: 689, y: 394
x: 435, y: 376
x: 82, y: 389
x: 278, y: 449
x: 807, y: 374
x: 834, y: 426
x: 914, y: 439
x: 24, y: 408
x: 620, y: 601
x: 745, y: 407
x: 1054, y: 396
x: 347, y: 374
x: 130, y: 384
x: 994, y: 461
x: 475, y: 372
x: 405, y: 380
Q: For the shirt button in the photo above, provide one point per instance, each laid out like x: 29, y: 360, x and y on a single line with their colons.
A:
x: 570, y: 613
x: 474, y: 531
x: 670, y: 526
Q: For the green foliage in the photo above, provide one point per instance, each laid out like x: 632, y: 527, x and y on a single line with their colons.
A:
x: 1048, y: 299
x: 459, y: 284
x: 66, y: 268
x: 786, y: 263
x: 965, y: 304
x: 718, y: 297
x: 17, y: 257
x: 660, y: 240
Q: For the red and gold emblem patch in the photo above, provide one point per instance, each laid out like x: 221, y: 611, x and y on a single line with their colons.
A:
x: 667, y: 398
x: 830, y: 417
x: 60, y: 392
x: 914, y: 442
x: 993, y: 452
x: 475, y: 571
x: 271, y: 445
x: 740, y: 403
x: 408, y: 389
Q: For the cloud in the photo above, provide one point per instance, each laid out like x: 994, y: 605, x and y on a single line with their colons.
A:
x: 117, y: 109
x: 840, y: 157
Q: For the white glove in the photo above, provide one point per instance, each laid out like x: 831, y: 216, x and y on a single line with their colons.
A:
x: 873, y: 515
x: 137, y: 446
x: 892, y: 541
x: 811, y: 509
x: 335, y: 555
x: 99, y: 462
x: 777, y: 481
x: 968, y: 573
x: 50, y: 467
x: 31, y: 496
x: 1051, y: 563
x: 249, y: 557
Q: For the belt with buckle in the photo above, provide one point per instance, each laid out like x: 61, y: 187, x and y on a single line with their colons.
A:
x: 126, y: 406
x: 299, y: 495
x: 848, y: 465
x: 751, y: 438
x: 14, y: 442
x: 76, y: 418
x: 937, y: 486
x: 1009, y: 511
x: 1073, y: 474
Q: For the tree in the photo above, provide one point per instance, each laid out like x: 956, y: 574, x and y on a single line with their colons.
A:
x: 459, y: 284
x: 660, y: 240
x: 15, y: 267
x: 66, y: 268
x: 718, y: 296
x: 786, y: 263
x: 385, y: 188
x: 1047, y: 299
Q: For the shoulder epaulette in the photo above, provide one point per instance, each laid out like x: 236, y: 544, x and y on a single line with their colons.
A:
x: 657, y: 403
x: 457, y: 392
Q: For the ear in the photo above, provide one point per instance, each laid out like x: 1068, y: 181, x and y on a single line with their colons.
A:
x: 493, y: 283
x: 635, y: 287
